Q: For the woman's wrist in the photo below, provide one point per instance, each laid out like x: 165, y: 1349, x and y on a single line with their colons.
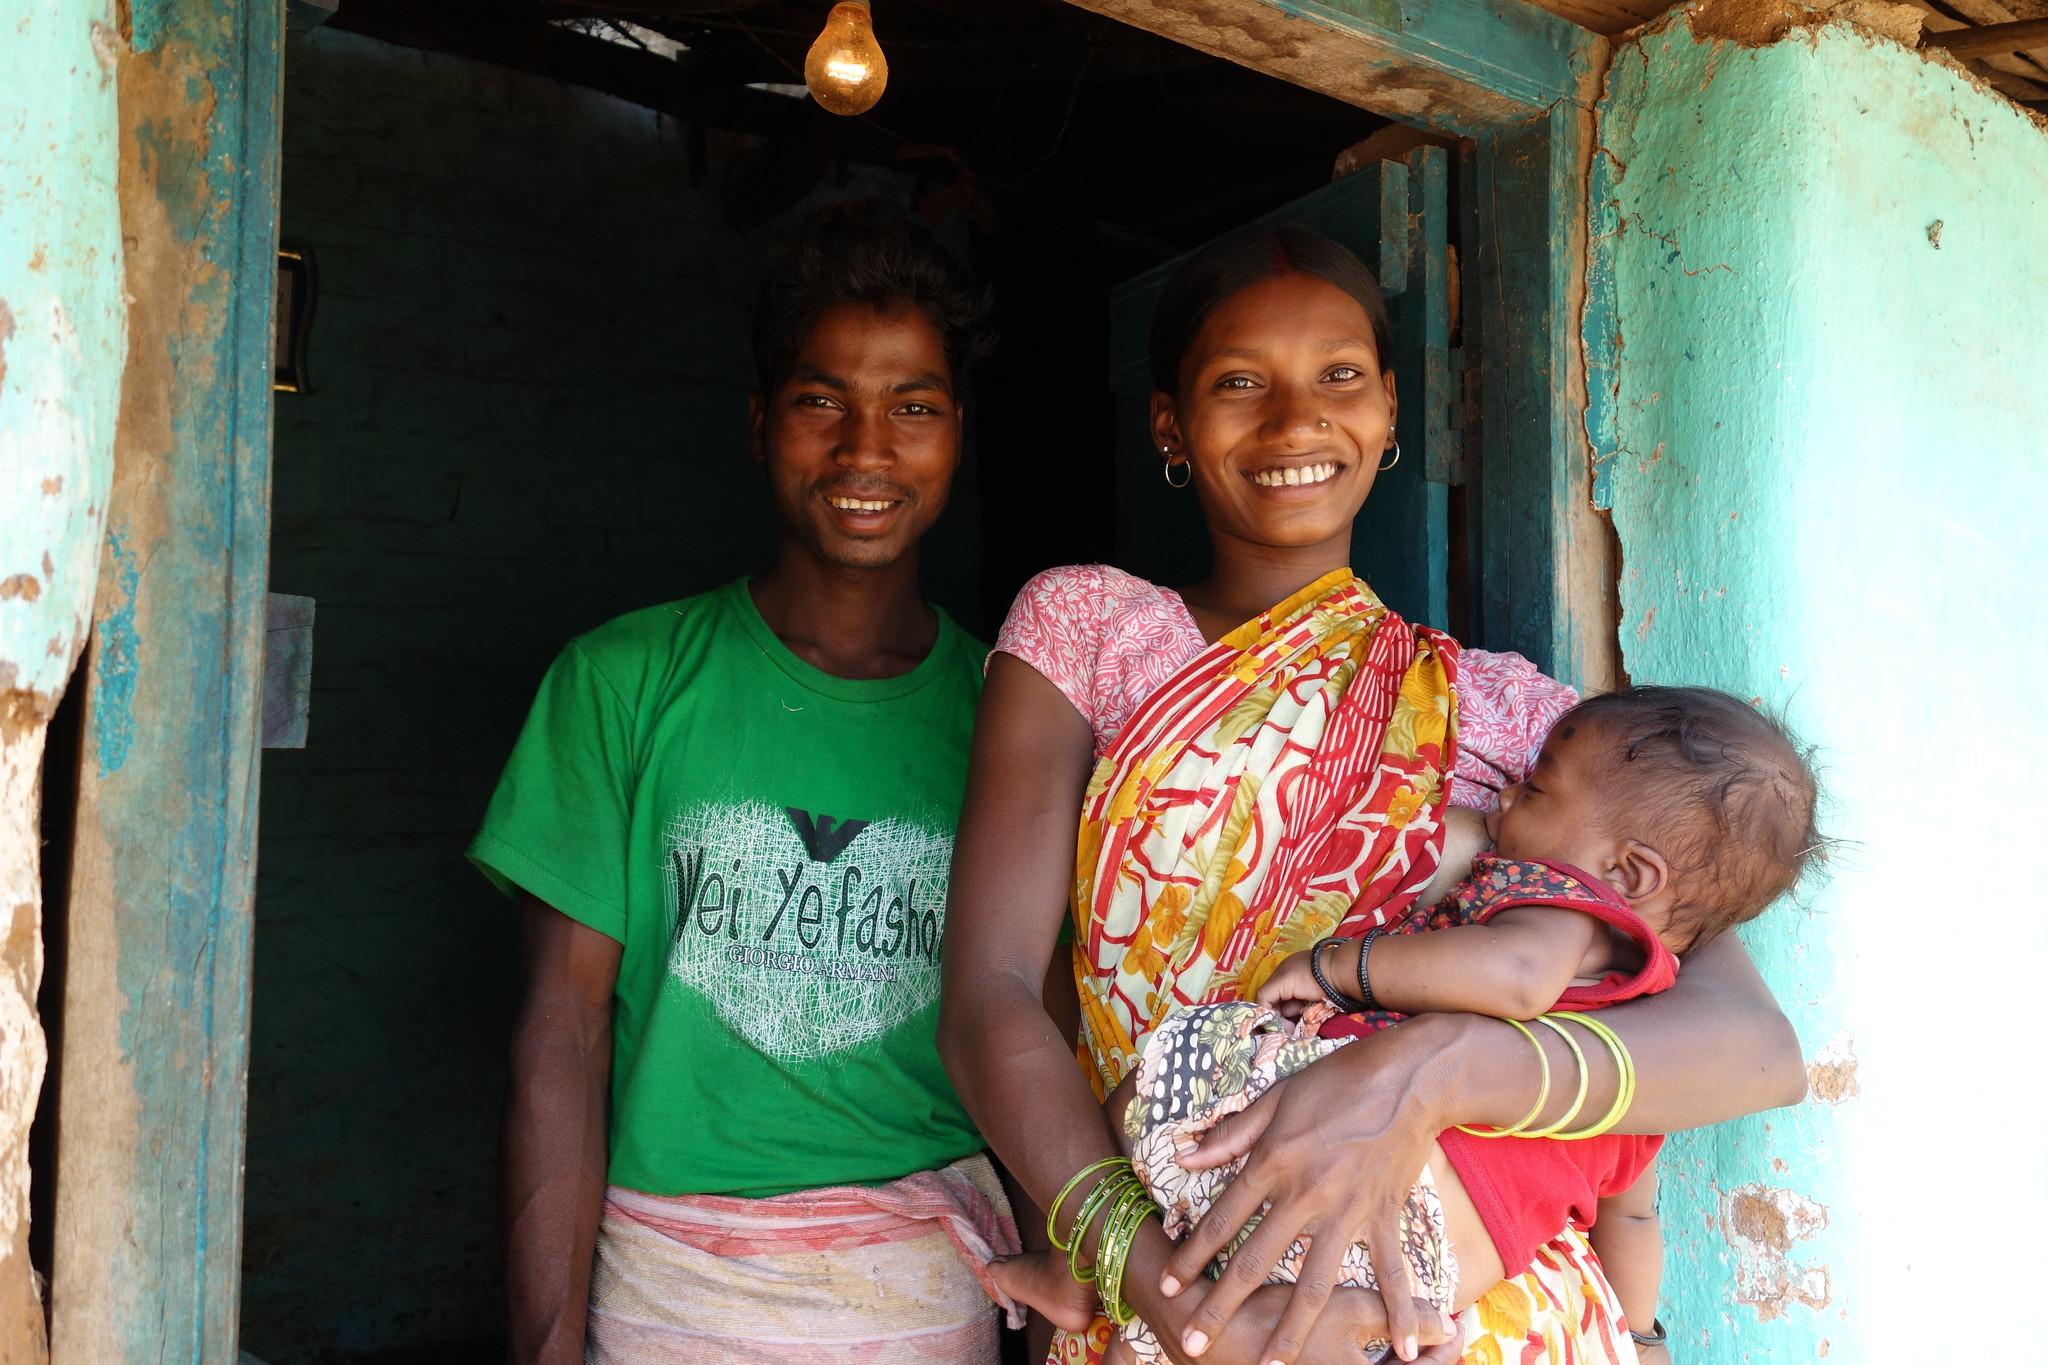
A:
x: 1485, y: 1073
x: 1149, y: 1253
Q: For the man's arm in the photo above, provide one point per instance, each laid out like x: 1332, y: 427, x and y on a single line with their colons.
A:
x: 555, y: 1123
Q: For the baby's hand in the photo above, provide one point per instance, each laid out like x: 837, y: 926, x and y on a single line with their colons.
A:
x: 1292, y: 987
x: 1039, y: 1280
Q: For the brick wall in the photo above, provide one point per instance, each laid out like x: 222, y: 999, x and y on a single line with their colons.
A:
x: 530, y: 373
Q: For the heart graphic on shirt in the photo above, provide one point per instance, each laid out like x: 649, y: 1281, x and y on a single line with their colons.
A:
x: 808, y: 933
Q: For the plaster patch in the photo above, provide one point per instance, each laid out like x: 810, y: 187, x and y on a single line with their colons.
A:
x: 1759, y: 23
x: 1762, y: 1223
x: 23, y: 1052
x: 1831, y: 1077
x: 1746, y: 23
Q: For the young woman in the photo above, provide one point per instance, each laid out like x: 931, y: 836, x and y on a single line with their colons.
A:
x: 1260, y: 759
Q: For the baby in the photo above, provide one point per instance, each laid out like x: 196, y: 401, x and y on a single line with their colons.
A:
x: 1654, y: 820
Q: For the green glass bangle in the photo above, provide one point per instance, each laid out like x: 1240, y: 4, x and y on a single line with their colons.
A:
x: 1542, y: 1092
x: 1113, y: 1251
x: 1579, y: 1100
x: 1052, y: 1214
x: 1108, y: 1192
x: 1625, y: 1088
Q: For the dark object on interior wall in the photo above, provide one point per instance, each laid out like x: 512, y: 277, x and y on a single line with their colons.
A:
x: 287, y: 670
x: 297, y: 286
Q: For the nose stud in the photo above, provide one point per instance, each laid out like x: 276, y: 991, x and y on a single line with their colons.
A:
x: 1324, y: 423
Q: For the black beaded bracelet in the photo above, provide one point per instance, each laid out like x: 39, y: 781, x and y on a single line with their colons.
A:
x: 1653, y: 1337
x: 1365, y: 978
x: 1315, y: 966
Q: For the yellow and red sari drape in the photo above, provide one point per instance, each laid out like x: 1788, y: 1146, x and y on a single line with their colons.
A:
x: 1289, y: 783
x: 1288, y: 780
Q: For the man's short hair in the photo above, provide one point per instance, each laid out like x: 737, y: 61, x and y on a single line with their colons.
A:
x: 859, y: 251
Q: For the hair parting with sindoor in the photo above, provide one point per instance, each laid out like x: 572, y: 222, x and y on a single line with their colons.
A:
x: 862, y: 251
x: 1247, y: 257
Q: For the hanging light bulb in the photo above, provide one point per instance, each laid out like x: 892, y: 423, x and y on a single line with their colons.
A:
x: 845, y: 70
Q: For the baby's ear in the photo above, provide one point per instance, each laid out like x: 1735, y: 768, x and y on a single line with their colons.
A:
x: 1639, y: 872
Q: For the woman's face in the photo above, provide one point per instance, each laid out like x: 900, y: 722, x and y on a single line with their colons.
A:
x: 1283, y: 411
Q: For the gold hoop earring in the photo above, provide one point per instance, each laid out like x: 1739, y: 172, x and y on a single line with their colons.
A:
x: 1389, y: 464
x: 1187, y: 469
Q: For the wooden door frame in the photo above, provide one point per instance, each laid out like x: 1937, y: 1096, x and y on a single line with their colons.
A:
x: 1520, y: 83
x: 160, y: 904
x: 153, y: 1062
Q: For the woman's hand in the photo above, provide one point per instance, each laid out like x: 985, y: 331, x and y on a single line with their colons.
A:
x: 1371, y: 1111
x: 1353, y: 1319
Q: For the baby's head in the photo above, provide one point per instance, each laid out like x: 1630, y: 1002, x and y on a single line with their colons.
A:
x: 1695, y: 807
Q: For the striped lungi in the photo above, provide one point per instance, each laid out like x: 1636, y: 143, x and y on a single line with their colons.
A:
x: 840, y: 1276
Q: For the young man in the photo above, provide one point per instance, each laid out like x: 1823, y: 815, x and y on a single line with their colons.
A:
x: 728, y: 822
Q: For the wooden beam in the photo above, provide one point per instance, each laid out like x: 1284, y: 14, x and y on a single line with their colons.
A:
x: 1988, y: 39
x: 1457, y: 66
x: 148, y: 1221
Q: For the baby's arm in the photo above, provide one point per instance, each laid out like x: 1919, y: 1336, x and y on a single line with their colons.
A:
x: 1514, y: 966
x: 1630, y: 1244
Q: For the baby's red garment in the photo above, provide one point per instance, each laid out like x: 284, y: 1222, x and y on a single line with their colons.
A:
x: 1526, y: 1189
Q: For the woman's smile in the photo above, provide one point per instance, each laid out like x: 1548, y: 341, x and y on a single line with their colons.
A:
x: 1295, y: 475
x: 1282, y: 410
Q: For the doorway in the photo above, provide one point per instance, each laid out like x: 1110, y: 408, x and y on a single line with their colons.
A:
x: 528, y: 372
x: 456, y: 528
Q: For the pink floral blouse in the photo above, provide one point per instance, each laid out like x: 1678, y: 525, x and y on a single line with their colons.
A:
x: 1107, y: 639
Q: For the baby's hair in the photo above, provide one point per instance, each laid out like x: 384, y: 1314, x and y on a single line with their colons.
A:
x: 1722, y: 790
x: 1250, y: 256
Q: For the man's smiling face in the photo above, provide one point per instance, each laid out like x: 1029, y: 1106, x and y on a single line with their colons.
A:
x: 862, y: 435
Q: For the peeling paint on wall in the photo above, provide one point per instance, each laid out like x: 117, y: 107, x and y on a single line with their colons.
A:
x: 1826, y: 466
x: 1831, y: 1076
x: 61, y: 349
x: 1763, y: 1224
x: 113, y: 713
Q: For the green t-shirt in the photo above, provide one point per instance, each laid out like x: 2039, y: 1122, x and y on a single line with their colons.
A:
x: 771, y: 846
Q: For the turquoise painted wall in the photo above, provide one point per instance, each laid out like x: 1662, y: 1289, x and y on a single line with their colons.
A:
x: 62, y: 338
x: 530, y: 366
x: 1823, y: 430
x: 63, y: 342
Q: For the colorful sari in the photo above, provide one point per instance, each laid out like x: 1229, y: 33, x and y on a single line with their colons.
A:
x: 1288, y: 783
